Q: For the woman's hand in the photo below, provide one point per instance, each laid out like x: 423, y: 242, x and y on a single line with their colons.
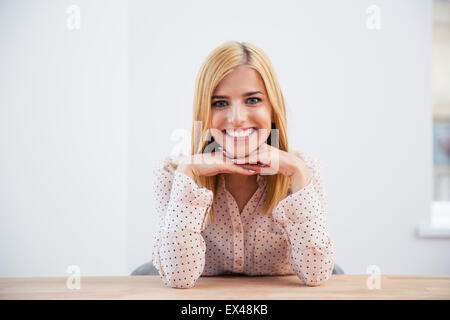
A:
x: 210, y: 164
x: 271, y: 160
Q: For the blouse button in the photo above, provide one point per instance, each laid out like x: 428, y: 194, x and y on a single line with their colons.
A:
x: 239, y: 261
x: 237, y: 229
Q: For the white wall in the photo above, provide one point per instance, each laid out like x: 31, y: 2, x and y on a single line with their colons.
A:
x: 76, y: 155
x: 63, y: 138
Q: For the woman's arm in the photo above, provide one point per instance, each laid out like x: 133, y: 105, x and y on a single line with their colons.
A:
x: 179, y: 249
x: 302, y: 216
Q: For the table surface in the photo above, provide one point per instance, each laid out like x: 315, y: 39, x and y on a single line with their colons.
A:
x: 353, y: 287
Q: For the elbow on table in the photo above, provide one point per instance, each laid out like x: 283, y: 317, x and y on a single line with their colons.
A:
x: 178, y: 278
x: 314, y: 283
x: 317, y: 279
x: 178, y: 283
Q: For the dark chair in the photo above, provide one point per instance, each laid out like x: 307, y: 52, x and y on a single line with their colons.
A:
x: 148, y: 269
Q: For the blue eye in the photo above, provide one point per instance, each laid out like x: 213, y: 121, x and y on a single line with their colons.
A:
x: 257, y: 100
x: 223, y: 103
x: 217, y: 103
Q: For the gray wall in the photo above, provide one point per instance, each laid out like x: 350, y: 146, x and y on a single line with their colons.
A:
x: 86, y: 114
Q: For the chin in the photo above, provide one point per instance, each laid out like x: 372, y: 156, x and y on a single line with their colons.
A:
x: 241, y: 151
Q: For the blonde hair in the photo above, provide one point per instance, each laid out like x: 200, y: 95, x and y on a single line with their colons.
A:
x: 220, y: 62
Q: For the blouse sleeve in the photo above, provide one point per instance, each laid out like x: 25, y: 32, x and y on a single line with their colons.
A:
x: 179, y: 248
x: 302, y: 216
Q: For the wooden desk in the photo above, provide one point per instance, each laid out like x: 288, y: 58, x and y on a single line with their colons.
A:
x: 228, y: 288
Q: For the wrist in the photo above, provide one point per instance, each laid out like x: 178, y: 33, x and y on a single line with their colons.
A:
x: 300, y: 177
x: 297, y: 168
x: 186, y: 169
x: 299, y: 181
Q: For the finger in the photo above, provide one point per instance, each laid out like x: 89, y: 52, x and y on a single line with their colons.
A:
x: 265, y: 159
x: 247, y: 172
x: 253, y: 167
x: 268, y: 147
x: 238, y: 169
x: 260, y: 157
x: 251, y: 158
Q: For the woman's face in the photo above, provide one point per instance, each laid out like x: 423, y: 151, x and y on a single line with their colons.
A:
x: 241, y: 114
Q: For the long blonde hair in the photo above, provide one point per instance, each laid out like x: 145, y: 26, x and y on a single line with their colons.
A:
x: 220, y: 62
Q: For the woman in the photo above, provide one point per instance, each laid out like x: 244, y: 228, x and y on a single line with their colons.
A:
x: 241, y: 203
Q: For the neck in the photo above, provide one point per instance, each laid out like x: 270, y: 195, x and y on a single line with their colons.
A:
x: 239, y: 180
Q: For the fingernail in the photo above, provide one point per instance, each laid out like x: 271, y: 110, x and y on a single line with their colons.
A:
x: 252, y: 171
x: 234, y: 160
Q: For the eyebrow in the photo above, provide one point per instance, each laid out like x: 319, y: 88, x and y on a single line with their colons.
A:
x: 244, y: 95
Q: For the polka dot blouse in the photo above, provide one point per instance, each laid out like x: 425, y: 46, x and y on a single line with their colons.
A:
x: 294, y: 239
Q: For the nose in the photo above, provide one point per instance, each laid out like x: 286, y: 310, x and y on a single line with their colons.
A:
x: 237, y: 115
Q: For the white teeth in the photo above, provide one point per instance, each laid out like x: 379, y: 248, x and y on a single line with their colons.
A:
x: 240, y: 133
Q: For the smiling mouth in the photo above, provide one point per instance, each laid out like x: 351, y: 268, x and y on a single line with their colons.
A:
x: 239, y: 134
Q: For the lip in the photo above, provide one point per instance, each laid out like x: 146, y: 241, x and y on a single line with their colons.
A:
x: 240, y: 138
